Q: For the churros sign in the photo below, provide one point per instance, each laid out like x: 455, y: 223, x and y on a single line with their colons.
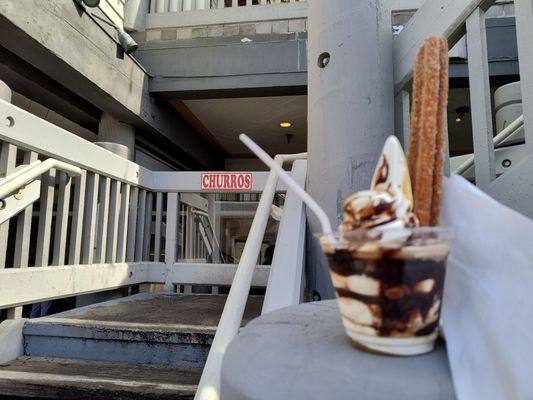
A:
x: 226, y: 181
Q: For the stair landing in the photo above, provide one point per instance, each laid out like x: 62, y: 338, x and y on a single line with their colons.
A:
x: 149, y: 328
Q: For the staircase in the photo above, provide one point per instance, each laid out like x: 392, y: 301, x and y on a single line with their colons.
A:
x: 146, y: 346
x: 77, y: 219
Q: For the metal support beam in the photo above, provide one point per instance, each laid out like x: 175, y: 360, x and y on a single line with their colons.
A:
x: 480, y: 95
x: 524, y: 33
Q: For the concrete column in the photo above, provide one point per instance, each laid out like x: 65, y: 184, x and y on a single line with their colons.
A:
x: 350, y: 110
x: 116, y: 136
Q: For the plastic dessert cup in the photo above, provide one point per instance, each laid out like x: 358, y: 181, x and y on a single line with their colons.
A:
x: 389, y: 287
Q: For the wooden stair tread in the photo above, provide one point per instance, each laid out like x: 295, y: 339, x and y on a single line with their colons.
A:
x: 48, y: 378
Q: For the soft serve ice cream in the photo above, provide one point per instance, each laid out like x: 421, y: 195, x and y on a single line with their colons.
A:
x: 389, y: 202
x: 388, y: 276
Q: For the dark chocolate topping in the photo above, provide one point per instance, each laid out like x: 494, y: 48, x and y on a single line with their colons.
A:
x: 398, y: 301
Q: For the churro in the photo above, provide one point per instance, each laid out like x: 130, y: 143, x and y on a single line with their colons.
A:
x: 427, y: 141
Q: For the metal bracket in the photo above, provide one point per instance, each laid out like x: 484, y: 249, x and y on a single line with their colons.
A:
x: 19, y: 200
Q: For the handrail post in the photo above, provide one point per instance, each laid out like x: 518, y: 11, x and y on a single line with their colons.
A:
x: 230, y: 321
x: 170, y: 237
x: 478, y: 75
x: 285, y: 283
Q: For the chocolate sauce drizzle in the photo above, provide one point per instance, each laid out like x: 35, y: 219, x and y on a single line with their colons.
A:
x: 397, y: 301
x: 383, y: 172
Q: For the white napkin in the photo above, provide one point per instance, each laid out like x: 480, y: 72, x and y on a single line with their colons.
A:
x: 488, y: 295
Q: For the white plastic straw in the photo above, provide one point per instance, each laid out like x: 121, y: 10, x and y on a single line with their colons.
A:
x: 291, y: 183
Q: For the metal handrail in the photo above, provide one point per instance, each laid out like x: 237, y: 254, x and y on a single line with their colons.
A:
x: 498, y: 139
x: 230, y: 321
x: 209, y: 229
x: 20, y: 179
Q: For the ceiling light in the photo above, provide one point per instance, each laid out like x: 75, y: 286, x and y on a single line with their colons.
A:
x: 461, y: 111
x: 126, y: 41
x: 285, y: 124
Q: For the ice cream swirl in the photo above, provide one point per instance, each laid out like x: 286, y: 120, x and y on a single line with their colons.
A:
x: 389, y: 202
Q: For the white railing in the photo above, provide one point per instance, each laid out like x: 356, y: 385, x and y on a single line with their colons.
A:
x: 190, y: 13
x: 161, y: 6
x: 454, y: 18
x: 500, y: 138
x: 114, y: 9
x: 115, y: 225
x: 27, y: 174
x: 94, y: 227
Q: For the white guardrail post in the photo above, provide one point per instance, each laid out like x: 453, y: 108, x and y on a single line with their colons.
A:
x: 285, y: 281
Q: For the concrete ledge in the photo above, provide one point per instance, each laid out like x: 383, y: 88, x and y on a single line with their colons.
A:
x: 262, y: 65
x: 302, y: 352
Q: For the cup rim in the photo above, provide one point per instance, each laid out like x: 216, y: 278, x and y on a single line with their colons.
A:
x: 447, y: 232
x: 342, y: 239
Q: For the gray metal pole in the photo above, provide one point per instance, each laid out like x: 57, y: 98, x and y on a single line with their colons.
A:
x: 350, y: 110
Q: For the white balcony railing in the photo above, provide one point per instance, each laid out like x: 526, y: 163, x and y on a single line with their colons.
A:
x: 188, y: 13
x: 159, y: 6
x: 453, y: 18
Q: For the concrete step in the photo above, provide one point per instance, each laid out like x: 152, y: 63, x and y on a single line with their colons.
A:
x: 46, y: 378
x: 149, y: 328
